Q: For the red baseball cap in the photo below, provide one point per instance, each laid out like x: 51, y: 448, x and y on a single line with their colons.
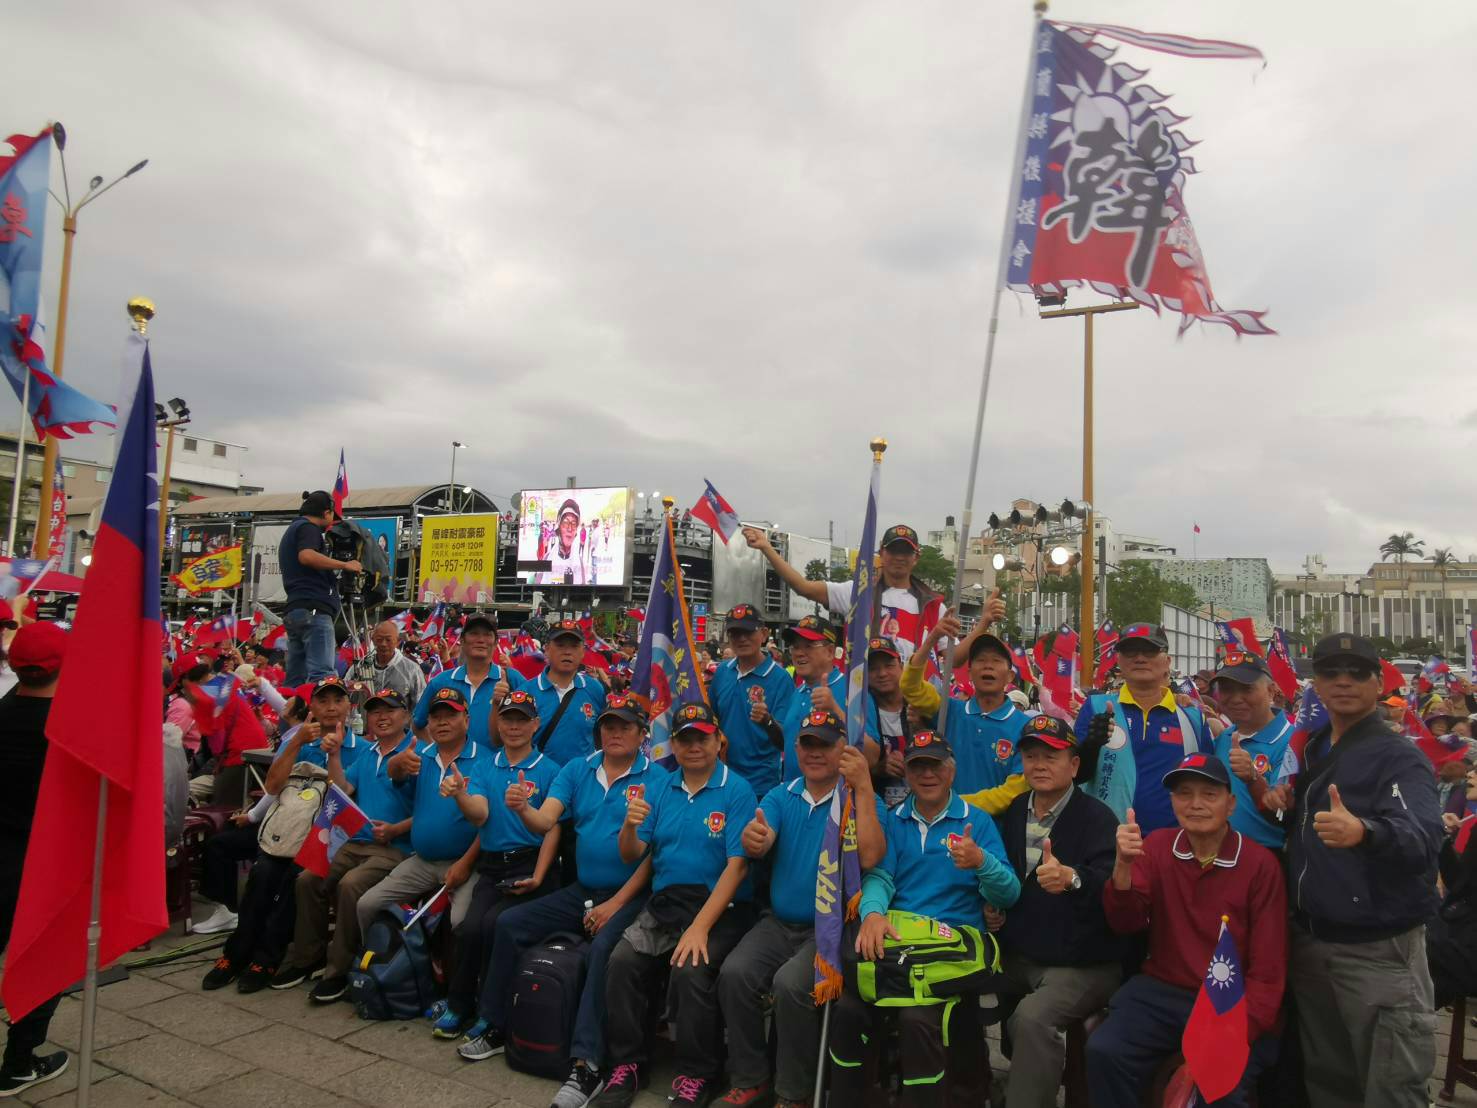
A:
x: 39, y: 646
x: 181, y: 665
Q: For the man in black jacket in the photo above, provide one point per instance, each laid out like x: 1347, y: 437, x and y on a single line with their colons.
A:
x: 1362, y: 868
x: 1060, y: 956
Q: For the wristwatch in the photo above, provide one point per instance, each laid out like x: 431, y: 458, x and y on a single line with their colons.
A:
x: 1076, y: 881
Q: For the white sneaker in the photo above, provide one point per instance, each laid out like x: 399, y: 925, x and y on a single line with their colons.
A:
x: 222, y: 919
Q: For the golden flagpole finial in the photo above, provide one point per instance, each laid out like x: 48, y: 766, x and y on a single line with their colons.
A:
x: 878, y: 446
x: 667, y: 503
x: 141, y: 310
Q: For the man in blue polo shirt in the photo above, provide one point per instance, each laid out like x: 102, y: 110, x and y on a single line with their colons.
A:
x: 362, y: 862
x: 568, y: 700
x: 481, y: 682
x: 592, y: 793
x: 1131, y: 738
x: 1256, y: 742
x: 983, y: 729
x: 777, y: 956
x: 945, y: 861
x: 450, y: 804
x: 326, y: 731
x: 751, y: 693
x: 812, y: 644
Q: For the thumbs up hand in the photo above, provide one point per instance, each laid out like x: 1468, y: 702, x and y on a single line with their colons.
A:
x: 1338, y: 827
x: 515, y: 797
x: 1240, y: 760
x: 965, y: 851
x: 452, y: 782
x: 758, y: 836
x: 636, y: 811
x: 1130, y: 841
x: 994, y: 608
x: 1051, y: 875
x: 758, y: 710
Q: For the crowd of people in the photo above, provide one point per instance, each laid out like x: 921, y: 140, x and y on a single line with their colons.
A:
x: 1101, y: 859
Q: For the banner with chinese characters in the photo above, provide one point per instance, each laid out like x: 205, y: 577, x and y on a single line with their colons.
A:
x: 220, y: 569
x: 58, y: 514
x: 1102, y: 179
x: 458, y: 559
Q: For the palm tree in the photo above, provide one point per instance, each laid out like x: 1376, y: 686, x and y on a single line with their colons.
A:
x: 1398, y: 546
x: 1443, y: 559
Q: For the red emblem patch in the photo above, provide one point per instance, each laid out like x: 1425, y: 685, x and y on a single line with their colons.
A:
x: 635, y: 792
x: 953, y: 841
x: 589, y: 710
x: 529, y: 788
x: 1172, y: 735
x: 756, y: 694
x: 1003, y: 750
x: 716, y: 820
x: 1261, y: 763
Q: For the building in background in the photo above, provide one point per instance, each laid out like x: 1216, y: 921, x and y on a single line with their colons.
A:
x: 1232, y: 588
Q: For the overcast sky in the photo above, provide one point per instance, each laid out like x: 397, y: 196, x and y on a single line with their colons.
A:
x: 647, y: 243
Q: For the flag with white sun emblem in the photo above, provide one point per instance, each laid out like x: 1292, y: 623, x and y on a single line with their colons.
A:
x: 1101, y: 198
x: 666, y: 674
x: 1214, y: 1044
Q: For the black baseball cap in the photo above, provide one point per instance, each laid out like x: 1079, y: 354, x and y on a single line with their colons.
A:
x: 822, y: 724
x: 1207, y: 766
x: 1049, y: 732
x: 332, y: 683
x: 479, y: 619
x: 569, y: 505
x: 925, y: 744
x: 1351, y: 647
x: 1143, y: 632
x: 814, y: 629
x: 388, y: 697
x: 1241, y: 666
x: 622, y: 706
x: 883, y: 645
x: 566, y: 628
x: 744, y: 617
x: 987, y: 641
x: 694, y: 717
x: 899, y: 532
x: 519, y: 701
x: 447, y: 697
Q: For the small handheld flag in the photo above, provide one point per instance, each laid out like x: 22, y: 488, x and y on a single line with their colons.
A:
x: 340, y: 487
x: 337, y: 821
x: 716, y: 512
x: 1214, y: 1042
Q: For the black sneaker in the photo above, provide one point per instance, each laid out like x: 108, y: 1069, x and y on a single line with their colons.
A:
x: 255, y: 979
x: 221, y: 974
x: 620, y: 1087
x: 691, y: 1092
x: 484, y: 1046
x: 43, y: 1067
x: 581, y: 1084
x: 290, y: 977
x: 329, y: 989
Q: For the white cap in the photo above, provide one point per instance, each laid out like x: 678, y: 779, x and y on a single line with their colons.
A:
x: 1018, y: 698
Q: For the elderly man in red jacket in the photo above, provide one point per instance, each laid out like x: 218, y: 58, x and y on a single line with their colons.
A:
x: 1177, y: 884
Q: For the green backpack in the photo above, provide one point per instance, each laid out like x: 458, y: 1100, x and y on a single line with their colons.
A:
x: 928, y: 963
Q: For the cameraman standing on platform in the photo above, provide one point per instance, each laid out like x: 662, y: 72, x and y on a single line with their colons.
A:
x: 310, y: 577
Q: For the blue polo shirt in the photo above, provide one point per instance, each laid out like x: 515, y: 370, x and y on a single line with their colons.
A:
x: 693, y: 835
x: 438, y: 830
x: 504, y: 829
x: 1267, y: 748
x: 598, y: 808
x: 479, y: 700
x: 1157, y: 742
x: 800, y: 827
x: 349, y: 753
x: 379, y: 797
x: 792, y: 720
x: 922, y: 875
x: 984, y: 743
x: 575, y: 736
x: 751, y: 754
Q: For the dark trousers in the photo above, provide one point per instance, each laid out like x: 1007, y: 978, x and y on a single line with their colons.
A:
x: 525, y: 925
x: 267, y: 913
x: 774, y: 959
x: 920, y: 1042
x: 1146, y: 1020
x: 28, y: 1032
x: 224, y: 853
x: 475, y: 937
x: 692, y: 996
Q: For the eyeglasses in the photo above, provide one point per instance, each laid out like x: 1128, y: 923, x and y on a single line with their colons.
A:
x: 1332, y: 671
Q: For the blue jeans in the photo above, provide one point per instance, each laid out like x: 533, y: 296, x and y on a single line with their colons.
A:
x: 310, y: 644
x: 528, y: 924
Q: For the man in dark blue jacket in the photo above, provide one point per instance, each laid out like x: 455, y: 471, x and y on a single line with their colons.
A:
x: 1059, y: 952
x: 1362, y: 868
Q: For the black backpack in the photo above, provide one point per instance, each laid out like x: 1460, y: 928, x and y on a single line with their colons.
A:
x: 395, y: 978
x: 544, y: 999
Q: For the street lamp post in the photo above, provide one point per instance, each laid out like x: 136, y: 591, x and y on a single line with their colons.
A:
x: 451, y: 484
x: 95, y: 188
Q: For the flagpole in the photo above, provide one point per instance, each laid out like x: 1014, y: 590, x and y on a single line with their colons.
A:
x: 1012, y: 194
x: 94, y: 936
x: 20, y: 465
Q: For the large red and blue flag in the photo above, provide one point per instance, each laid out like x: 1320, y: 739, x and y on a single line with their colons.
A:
x: 716, y: 512
x: 1214, y: 1041
x: 337, y: 821
x: 1240, y: 634
x: 1279, y: 660
x: 55, y: 407
x: 340, y: 487
x: 666, y: 676
x: 1102, y: 178
x: 105, y: 727
x: 1107, y: 654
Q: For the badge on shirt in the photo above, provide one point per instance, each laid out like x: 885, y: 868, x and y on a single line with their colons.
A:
x: 529, y: 787
x: 589, y: 710
x: 1004, y: 748
x: 635, y: 792
x: 953, y: 842
x: 1172, y: 734
x: 716, y: 821
x: 756, y: 694
x: 1261, y: 763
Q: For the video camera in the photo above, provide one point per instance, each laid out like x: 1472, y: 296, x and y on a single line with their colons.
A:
x: 348, y: 541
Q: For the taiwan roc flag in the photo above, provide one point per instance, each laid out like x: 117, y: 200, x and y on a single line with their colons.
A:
x: 1214, y: 1044
x: 338, y: 821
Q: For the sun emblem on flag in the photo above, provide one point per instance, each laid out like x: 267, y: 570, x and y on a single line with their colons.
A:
x: 1222, y: 972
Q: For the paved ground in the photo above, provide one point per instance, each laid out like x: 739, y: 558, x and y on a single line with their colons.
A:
x: 163, y: 1042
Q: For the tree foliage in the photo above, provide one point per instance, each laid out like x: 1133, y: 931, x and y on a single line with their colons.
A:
x: 934, y: 570
x: 1137, y: 593
x: 1401, y: 546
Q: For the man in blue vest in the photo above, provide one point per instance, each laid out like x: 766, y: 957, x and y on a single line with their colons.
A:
x: 812, y: 644
x: 1131, y: 738
x: 1256, y: 742
x: 751, y: 694
x: 568, y: 701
